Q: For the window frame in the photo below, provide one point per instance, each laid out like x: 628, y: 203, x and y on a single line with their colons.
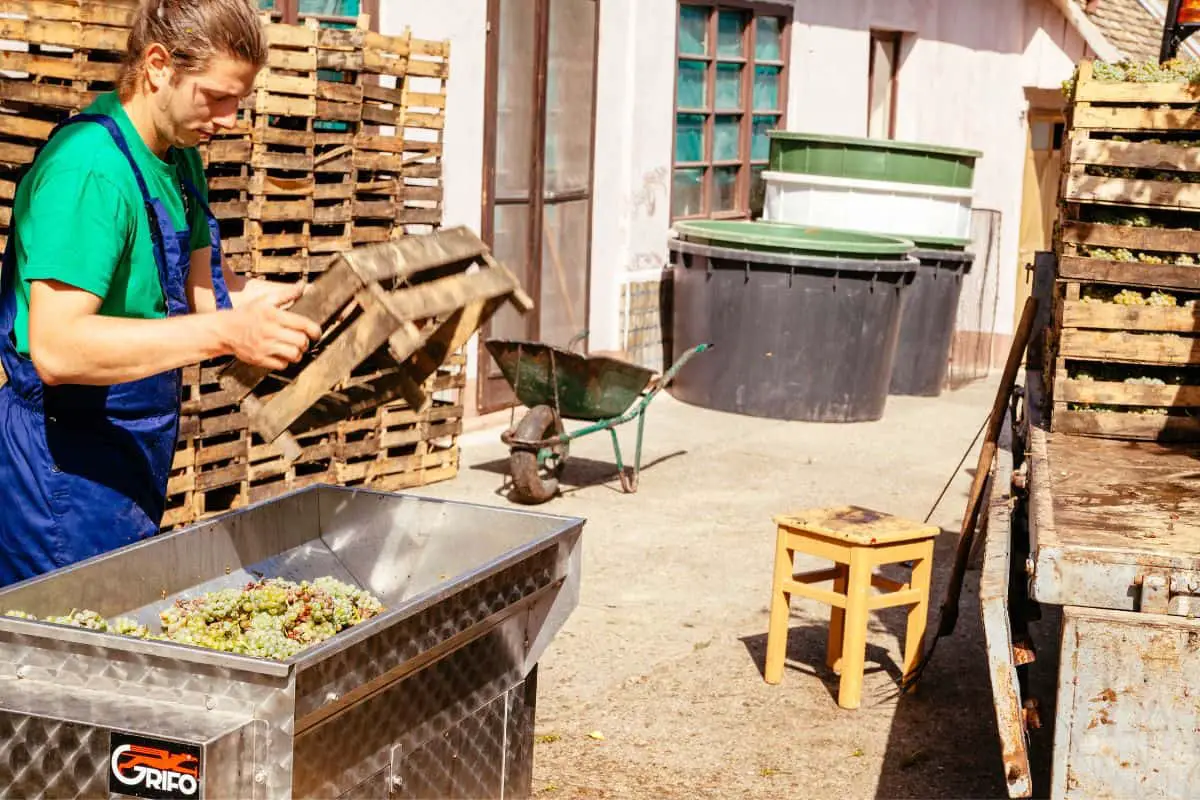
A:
x: 288, y: 12
x: 745, y: 162
x: 894, y: 40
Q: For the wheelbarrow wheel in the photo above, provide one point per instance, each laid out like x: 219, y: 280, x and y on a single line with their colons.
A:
x: 534, y: 484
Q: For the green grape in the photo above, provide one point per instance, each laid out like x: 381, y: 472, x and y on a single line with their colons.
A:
x: 270, y: 618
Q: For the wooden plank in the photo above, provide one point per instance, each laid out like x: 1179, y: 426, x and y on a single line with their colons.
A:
x: 296, y: 162
x: 386, y: 45
x: 265, y: 135
x: 1128, y: 273
x: 232, y: 183
x: 25, y: 127
x: 378, y: 162
x: 295, y: 36
x: 429, y: 122
x: 294, y: 60
x: 1140, y: 155
x: 45, y: 94
x: 339, y: 92
x: 431, y: 194
x: 65, y: 67
x: 1096, y: 91
x: 381, y: 116
x: 339, y: 112
x: 383, y: 94
x: 1112, y: 316
x: 281, y: 211
x: 341, y: 38
x: 382, y: 144
x: 425, y: 100
x: 366, y: 335
x: 340, y: 60
x: 1132, y: 348
x: 334, y: 191
x: 329, y: 215
x: 428, y: 69
x: 280, y: 83
x: 1084, y: 188
x: 230, y: 151
x: 448, y: 295
x: 414, y: 254
x: 429, y: 48
x: 231, y: 210
x: 285, y: 106
x: 279, y: 241
x: 1164, y: 240
x: 16, y: 153
x: 284, y: 187
x: 1110, y: 424
x: 1067, y: 390
x: 423, y: 171
x: 1130, y: 119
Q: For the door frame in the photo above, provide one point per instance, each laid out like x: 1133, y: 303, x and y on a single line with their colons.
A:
x: 537, y: 203
x: 1024, y: 271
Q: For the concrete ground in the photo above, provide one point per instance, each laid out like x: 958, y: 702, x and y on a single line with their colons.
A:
x: 654, y: 687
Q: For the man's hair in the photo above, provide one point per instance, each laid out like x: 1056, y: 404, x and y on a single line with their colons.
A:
x: 193, y: 32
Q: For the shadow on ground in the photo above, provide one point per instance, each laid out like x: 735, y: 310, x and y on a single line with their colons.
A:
x: 943, y: 741
x: 578, y: 473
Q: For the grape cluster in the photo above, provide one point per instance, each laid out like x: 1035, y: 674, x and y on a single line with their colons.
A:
x: 1124, y: 254
x: 270, y: 618
x: 1128, y: 71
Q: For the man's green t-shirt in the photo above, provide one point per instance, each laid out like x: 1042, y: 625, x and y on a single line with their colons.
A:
x: 78, y: 217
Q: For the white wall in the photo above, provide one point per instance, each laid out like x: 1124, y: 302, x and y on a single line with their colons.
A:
x: 464, y: 24
x: 634, y: 128
x: 962, y: 82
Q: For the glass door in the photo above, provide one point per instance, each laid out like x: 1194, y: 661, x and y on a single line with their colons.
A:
x: 538, y: 178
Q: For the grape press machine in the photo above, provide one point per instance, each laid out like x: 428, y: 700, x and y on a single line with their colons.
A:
x: 434, y: 697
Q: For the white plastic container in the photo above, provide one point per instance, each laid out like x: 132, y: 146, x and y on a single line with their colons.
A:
x: 900, y: 209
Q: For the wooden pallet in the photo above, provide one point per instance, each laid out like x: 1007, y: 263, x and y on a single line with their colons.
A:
x: 411, y: 302
x: 1129, y: 223
x: 73, y: 52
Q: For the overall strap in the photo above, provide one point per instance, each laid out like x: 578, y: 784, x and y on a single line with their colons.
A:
x: 156, y: 232
x: 220, y: 289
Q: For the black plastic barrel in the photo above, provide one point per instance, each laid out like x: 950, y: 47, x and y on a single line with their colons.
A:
x: 796, y: 337
x: 928, y: 322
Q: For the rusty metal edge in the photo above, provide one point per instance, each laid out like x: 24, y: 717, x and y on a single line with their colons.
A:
x: 994, y: 608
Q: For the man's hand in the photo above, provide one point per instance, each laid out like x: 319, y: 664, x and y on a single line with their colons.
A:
x: 277, y: 294
x: 261, y: 333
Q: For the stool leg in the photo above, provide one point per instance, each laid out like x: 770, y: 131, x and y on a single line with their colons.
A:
x: 854, y: 651
x: 918, y: 615
x: 837, y: 622
x: 777, y: 629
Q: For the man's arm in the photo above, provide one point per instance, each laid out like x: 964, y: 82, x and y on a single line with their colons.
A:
x: 242, y: 290
x: 70, y: 342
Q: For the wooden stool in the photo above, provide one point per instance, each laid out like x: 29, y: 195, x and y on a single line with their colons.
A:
x: 857, y: 540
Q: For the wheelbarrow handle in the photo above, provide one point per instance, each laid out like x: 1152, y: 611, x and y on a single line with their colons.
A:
x: 666, y: 379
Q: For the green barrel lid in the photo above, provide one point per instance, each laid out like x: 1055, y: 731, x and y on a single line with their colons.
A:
x: 782, y: 237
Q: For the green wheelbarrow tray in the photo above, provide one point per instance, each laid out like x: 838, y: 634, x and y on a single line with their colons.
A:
x: 555, y: 383
x: 588, y: 388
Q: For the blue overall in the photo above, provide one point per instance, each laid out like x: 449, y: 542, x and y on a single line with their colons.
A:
x: 83, y: 469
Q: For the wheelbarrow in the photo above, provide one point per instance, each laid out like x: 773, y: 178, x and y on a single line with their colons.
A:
x: 557, y: 384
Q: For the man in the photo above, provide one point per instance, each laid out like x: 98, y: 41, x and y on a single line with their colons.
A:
x: 112, y: 282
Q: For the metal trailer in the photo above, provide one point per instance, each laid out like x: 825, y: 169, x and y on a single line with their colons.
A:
x: 1109, y: 531
x: 433, y: 698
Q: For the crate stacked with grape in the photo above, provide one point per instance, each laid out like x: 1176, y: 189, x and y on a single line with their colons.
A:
x: 1125, y: 341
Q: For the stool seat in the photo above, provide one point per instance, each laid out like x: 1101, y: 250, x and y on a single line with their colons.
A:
x: 857, y: 525
x: 856, y: 540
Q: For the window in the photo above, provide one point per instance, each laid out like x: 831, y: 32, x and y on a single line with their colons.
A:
x: 881, y: 92
x: 332, y: 12
x: 729, y: 91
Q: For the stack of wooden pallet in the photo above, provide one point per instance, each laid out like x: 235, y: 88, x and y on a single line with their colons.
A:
x: 1124, y: 349
x: 339, y: 146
